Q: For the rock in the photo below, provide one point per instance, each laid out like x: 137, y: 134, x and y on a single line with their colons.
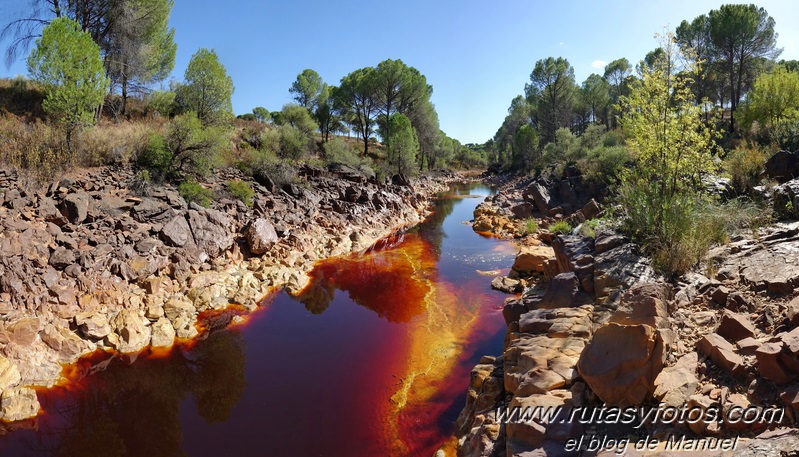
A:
x: 539, y: 195
x: 23, y: 331
x: 176, y: 232
x: 67, y: 345
x: 61, y: 258
x: 93, y: 325
x: 211, y: 231
x: 564, y: 292
x: 506, y: 284
x: 721, y: 352
x: 531, y: 259
x: 735, y: 327
x: 261, y: 236
x: 182, y: 315
x: 620, y: 268
x: 133, y: 330
x: 621, y: 363
x: 9, y: 374
x: 676, y: 384
x: 782, y: 166
x: 18, y: 404
x: 75, y: 207
x: 793, y: 312
x: 720, y: 295
x: 523, y: 210
x: 152, y: 210
x: 644, y: 304
x: 163, y: 333
x: 512, y: 310
x: 769, y: 365
x: 591, y: 209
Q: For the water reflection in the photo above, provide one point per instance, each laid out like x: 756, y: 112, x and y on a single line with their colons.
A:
x: 133, y: 409
x: 375, y: 362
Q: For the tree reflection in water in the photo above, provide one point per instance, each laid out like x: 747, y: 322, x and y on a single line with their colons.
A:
x: 133, y: 409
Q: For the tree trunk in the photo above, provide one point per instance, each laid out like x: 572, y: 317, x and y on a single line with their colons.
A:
x: 124, y: 94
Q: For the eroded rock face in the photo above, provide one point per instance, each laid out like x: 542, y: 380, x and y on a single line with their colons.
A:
x: 676, y: 384
x: 531, y: 259
x: 9, y: 374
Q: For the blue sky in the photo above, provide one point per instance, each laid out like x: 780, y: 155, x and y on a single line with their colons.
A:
x: 476, y: 54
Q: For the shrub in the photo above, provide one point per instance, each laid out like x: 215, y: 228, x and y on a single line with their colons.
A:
x: 196, y: 148
x: 241, y: 190
x: 603, y: 165
x: 192, y: 191
x: 786, y: 134
x: 107, y: 144
x: 157, y: 158
x: 588, y: 228
x: 162, y: 102
x: 561, y: 227
x: 293, y: 144
x: 338, y: 150
x: 34, y: 148
x: 744, y: 166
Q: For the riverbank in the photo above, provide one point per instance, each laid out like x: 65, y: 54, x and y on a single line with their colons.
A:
x: 596, y: 327
x: 86, y: 264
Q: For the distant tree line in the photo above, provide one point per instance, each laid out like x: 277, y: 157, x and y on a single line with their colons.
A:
x: 735, y: 46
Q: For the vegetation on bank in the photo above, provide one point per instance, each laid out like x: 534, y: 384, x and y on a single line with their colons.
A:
x: 104, y: 111
x: 710, y: 101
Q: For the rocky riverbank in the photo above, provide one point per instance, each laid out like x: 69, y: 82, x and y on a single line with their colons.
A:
x: 88, y: 264
x: 596, y: 326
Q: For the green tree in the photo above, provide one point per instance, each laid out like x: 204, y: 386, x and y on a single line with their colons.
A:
x: 140, y: 47
x: 696, y: 35
x: 664, y: 128
x: 617, y: 74
x: 403, y: 144
x: 299, y: 118
x: 553, y: 80
x: 306, y: 88
x: 595, y: 92
x: 357, y: 101
x: 774, y: 98
x: 207, y: 88
x: 261, y: 114
x: 68, y: 65
x: 525, y: 148
x: 742, y: 34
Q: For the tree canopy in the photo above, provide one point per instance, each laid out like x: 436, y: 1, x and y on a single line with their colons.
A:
x: 207, y: 88
x: 68, y: 64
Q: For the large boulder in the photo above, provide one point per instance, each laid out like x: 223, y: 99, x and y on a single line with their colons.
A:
x: 261, y: 236
x: 18, y: 404
x: 211, y: 231
x: 563, y: 292
x: 75, y: 207
x: 177, y: 232
x: 133, y: 330
x: 539, y: 195
x: 531, y: 259
x: 621, y: 363
x: 782, y: 166
x: 9, y: 374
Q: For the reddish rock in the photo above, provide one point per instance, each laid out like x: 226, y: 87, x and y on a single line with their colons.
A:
x: 721, y: 352
x: 769, y: 365
x: 621, y: 362
x: 531, y: 259
x: 735, y: 327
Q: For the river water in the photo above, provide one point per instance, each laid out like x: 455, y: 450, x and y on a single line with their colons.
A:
x: 373, y: 359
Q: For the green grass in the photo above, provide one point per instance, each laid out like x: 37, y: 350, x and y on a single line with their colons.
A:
x: 560, y: 227
x: 530, y: 226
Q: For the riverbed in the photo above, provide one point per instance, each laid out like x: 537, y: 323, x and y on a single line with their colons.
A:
x: 373, y: 358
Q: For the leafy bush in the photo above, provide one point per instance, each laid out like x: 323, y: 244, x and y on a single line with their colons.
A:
x: 157, y: 159
x: 162, y: 102
x: 196, y: 148
x: 561, y: 227
x: 603, y: 166
x: 192, y: 191
x: 293, y: 144
x: 241, y: 190
x: 786, y: 134
x: 744, y: 166
x: 588, y: 228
